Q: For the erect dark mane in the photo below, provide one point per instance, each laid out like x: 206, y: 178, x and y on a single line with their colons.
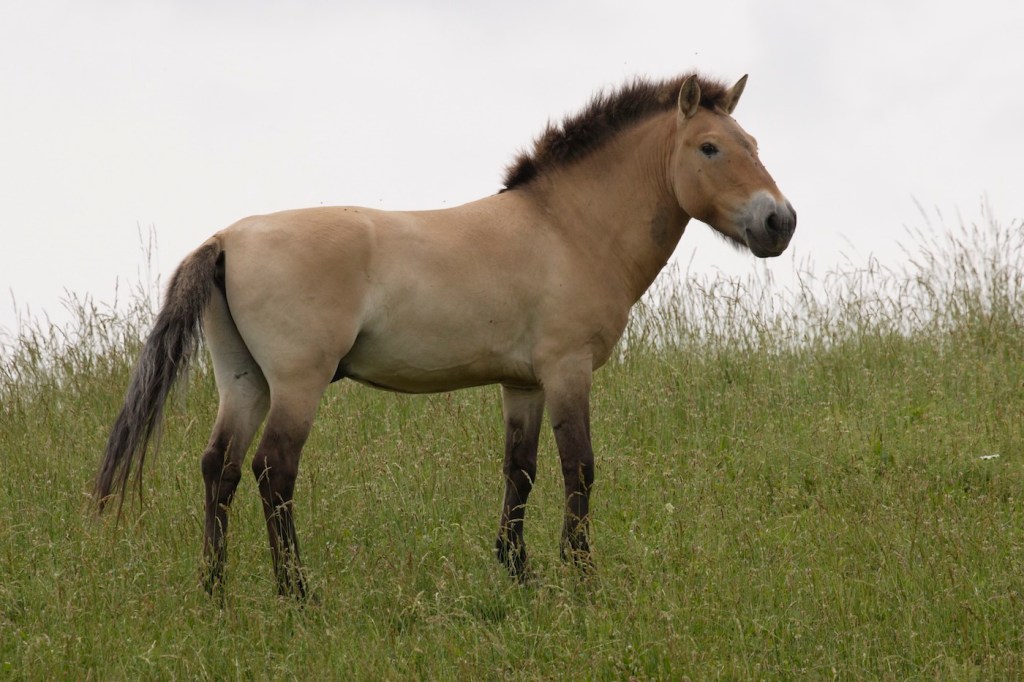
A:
x: 607, y: 114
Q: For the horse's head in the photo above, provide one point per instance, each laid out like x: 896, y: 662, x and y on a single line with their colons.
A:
x: 718, y: 178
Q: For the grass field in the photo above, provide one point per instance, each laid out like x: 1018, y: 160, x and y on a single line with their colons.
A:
x: 822, y: 484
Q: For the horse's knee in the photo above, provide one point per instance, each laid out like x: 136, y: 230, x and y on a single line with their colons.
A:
x: 520, y: 454
x: 521, y: 466
x: 212, y: 463
x: 221, y: 477
x: 276, y: 473
x: 217, y: 467
x: 218, y: 460
x: 263, y: 465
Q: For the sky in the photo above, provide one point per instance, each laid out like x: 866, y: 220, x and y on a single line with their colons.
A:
x: 121, y: 119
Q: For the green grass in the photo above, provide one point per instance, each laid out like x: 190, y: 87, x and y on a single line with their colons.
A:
x: 789, y: 487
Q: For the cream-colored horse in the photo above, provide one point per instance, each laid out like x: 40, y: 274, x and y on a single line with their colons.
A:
x: 529, y: 288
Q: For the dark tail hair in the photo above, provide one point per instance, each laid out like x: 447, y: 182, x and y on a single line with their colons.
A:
x: 165, y: 356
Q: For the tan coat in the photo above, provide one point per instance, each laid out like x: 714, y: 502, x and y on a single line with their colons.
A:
x: 530, y: 289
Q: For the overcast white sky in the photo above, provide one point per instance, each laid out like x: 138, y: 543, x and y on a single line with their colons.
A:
x: 186, y: 115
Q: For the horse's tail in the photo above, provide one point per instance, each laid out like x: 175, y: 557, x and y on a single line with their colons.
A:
x: 164, y: 357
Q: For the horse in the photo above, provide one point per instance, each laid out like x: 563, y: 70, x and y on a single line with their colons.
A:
x: 529, y: 288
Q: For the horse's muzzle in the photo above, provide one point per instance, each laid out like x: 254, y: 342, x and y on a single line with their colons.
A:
x: 768, y: 225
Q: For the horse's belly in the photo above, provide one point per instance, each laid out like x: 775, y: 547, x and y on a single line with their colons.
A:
x: 425, y: 365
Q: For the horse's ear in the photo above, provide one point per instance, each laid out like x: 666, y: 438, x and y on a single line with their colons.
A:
x: 689, y: 97
x: 733, y: 96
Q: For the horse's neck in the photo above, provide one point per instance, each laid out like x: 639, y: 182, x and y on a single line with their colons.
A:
x: 618, y: 203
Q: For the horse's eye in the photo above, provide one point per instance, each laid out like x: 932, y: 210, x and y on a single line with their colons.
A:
x: 708, y: 149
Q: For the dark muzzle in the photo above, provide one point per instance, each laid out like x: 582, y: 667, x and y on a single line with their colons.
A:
x: 769, y: 226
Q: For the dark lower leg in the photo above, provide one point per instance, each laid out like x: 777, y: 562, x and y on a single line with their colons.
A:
x: 275, y: 467
x: 523, y: 413
x: 284, y: 549
x: 221, y: 475
x: 574, y: 449
x: 510, y: 546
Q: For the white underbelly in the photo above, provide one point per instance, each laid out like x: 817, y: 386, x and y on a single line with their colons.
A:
x: 429, y: 362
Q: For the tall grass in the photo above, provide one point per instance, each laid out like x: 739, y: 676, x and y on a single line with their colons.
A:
x: 815, y: 483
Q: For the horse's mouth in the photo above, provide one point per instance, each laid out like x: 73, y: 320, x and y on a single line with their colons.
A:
x: 766, y: 246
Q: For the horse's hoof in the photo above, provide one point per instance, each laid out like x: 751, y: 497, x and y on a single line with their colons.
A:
x: 513, y: 558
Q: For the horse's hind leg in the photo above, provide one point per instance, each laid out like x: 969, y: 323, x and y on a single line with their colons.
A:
x: 523, y: 411
x: 276, y: 465
x: 244, y: 398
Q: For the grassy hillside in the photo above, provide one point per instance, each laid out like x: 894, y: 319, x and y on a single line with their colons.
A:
x: 825, y: 483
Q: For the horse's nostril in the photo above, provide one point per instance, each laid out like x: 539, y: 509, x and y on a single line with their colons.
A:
x: 780, y: 224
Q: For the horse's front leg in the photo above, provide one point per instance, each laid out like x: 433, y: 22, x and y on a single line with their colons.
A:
x: 523, y: 411
x: 568, y: 401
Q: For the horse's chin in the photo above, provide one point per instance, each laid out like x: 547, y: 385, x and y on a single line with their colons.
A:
x: 747, y: 239
x: 765, y: 248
